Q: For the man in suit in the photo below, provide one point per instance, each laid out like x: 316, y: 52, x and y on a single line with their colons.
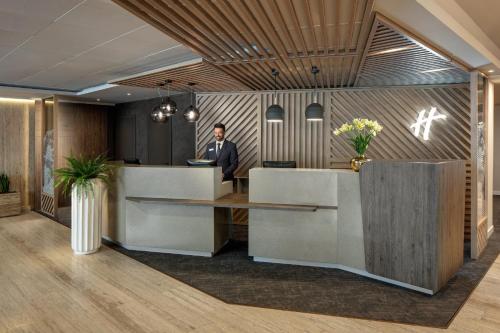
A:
x: 223, y: 151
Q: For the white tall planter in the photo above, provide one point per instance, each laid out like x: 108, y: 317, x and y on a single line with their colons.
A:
x: 87, y: 213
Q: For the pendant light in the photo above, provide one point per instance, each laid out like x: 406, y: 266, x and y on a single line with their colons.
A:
x: 314, y: 111
x: 275, y: 113
x: 169, y: 106
x: 191, y: 114
x: 158, y: 115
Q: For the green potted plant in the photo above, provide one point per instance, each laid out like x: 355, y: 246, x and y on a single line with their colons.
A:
x: 360, y: 132
x: 10, y: 202
x: 87, y: 179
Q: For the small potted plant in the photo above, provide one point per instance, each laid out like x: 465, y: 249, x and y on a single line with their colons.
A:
x: 360, y: 132
x: 87, y: 179
x: 10, y: 202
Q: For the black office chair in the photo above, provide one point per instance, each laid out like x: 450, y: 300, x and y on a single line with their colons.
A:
x: 279, y: 164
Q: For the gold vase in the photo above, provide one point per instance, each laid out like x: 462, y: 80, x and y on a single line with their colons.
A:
x: 358, y: 161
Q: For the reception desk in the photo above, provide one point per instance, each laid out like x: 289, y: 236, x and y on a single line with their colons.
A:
x: 400, y: 222
x: 145, y: 213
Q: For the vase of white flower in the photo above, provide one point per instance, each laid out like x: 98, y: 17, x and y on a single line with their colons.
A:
x: 360, y: 132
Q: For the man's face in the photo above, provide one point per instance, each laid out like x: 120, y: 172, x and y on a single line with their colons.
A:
x: 219, y: 134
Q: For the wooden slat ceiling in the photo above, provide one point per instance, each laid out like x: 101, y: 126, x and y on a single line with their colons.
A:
x: 244, y: 39
x: 414, y: 63
x: 207, y: 78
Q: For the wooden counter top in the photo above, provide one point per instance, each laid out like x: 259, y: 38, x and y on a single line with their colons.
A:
x: 235, y: 200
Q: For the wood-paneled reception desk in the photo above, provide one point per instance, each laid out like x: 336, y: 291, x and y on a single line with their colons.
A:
x: 397, y: 221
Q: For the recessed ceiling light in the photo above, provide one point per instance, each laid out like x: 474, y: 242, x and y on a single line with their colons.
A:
x: 128, y: 94
x: 491, y: 70
x: 395, y: 49
x: 98, y: 99
x: 438, y: 70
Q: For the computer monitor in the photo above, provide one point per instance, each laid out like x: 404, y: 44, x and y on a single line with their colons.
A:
x: 279, y: 164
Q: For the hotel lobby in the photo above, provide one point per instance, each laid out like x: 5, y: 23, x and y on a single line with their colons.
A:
x: 249, y: 166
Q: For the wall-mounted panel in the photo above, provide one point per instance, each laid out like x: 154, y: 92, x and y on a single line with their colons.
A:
x: 136, y: 136
x: 241, y: 115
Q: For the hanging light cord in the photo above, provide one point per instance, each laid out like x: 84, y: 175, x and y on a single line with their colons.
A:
x: 275, y: 74
x: 192, y: 93
x: 315, y: 72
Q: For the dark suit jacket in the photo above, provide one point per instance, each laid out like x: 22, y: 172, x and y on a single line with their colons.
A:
x: 228, y: 158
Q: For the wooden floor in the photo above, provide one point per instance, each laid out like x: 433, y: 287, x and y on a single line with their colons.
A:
x: 45, y: 288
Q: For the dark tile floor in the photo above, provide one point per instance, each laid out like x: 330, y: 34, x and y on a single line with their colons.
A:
x: 232, y: 277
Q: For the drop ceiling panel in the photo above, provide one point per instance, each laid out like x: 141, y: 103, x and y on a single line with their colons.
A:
x: 152, y: 61
x: 81, y: 44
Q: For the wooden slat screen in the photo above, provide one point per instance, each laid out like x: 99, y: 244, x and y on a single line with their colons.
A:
x: 313, y: 145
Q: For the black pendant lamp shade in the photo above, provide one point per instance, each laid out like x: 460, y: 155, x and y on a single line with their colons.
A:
x: 166, y: 108
x: 275, y: 113
x: 314, y: 111
x: 191, y: 114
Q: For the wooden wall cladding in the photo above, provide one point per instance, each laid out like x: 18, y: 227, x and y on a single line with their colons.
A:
x: 38, y: 150
x: 313, y: 145
x: 396, y: 109
x: 80, y: 129
x: 241, y: 115
x: 16, y: 157
x: 295, y: 139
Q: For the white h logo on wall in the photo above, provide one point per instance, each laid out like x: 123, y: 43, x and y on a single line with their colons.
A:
x: 426, y: 122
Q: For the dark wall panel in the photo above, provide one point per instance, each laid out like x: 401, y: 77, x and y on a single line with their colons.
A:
x: 169, y: 143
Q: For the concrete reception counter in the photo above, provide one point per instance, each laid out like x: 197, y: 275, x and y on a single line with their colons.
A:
x: 400, y: 222
x: 333, y: 234
x: 142, y: 216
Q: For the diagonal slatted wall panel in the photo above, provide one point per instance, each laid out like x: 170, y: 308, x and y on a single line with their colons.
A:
x: 241, y: 115
x: 397, y: 109
x: 313, y: 145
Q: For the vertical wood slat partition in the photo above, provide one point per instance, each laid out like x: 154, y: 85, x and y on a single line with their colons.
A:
x: 296, y: 139
x: 313, y: 145
x: 16, y: 156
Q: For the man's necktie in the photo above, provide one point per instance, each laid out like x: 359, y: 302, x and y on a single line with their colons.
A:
x: 218, y: 150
